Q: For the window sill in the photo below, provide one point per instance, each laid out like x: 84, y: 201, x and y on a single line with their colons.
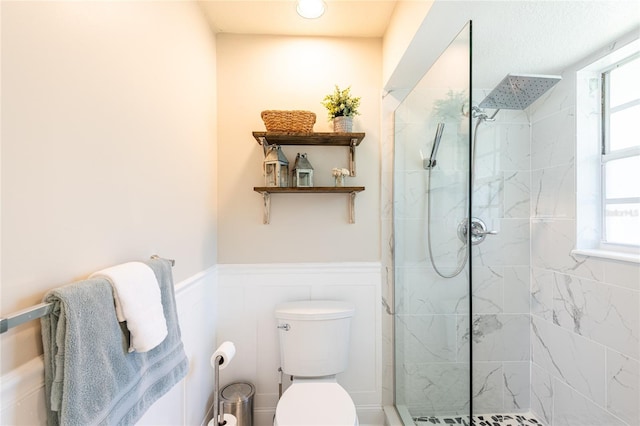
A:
x: 608, y: 254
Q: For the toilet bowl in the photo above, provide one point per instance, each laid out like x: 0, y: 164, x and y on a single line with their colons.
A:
x: 314, y: 347
x: 315, y: 403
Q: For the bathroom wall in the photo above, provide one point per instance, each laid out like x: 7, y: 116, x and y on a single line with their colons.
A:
x: 585, y: 328
x: 309, y: 250
x: 108, y: 155
x: 108, y: 145
x: 257, y: 73
x: 499, y: 332
x: 407, y: 18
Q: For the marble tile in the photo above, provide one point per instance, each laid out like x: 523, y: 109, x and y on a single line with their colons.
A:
x: 541, y: 393
x: 577, y: 361
x: 571, y: 408
x: 516, y: 290
x: 542, y: 284
x: 516, y: 386
x: 510, y: 247
x: 552, y: 139
x: 488, y: 196
x: 422, y: 291
x: 488, y: 387
x: 410, y: 196
x: 488, y: 290
x: 517, y: 191
x: 431, y: 389
x: 515, y: 146
x: 495, y: 337
x: 411, y: 245
x: 624, y: 274
x: 623, y: 387
x: 604, y: 313
x: 553, y: 192
x: 426, y: 338
x: 552, y: 241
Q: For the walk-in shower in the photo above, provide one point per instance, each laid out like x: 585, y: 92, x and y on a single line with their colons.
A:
x: 461, y: 249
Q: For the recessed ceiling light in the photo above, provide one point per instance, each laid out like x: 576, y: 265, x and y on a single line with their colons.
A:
x: 310, y: 9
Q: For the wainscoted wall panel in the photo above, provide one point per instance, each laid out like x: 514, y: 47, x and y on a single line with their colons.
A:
x: 22, y: 389
x: 247, y: 299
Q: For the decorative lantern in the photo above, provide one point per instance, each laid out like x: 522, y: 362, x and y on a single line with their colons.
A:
x: 276, y: 167
x: 302, y: 172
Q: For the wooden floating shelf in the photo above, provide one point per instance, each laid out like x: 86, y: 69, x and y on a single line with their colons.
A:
x: 266, y: 192
x: 313, y: 138
x: 314, y: 189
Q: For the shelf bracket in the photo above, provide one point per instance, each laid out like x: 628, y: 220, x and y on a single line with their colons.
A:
x: 352, y: 207
x: 352, y: 156
x: 266, y: 214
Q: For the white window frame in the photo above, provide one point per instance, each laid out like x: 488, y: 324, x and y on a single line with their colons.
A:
x: 591, y: 155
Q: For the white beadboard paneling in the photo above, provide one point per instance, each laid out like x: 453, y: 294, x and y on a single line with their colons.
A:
x: 22, y: 389
x: 248, y: 295
x: 22, y: 394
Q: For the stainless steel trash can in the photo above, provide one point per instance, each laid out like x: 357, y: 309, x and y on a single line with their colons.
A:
x: 237, y: 399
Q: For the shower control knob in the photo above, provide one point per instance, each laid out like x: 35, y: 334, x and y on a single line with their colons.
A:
x: 478, y: 231
x: 285, y: 327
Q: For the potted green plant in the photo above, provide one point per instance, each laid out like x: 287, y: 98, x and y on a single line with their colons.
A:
x: 341, y: 108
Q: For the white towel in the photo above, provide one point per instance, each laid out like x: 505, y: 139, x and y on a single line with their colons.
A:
x: 138, y: 302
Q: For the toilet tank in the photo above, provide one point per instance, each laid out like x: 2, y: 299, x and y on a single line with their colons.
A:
x: 314, y: 337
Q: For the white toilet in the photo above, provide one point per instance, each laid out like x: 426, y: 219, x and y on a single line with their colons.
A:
x: 314, y: 347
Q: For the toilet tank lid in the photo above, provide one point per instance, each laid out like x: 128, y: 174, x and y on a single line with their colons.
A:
x: 314, y: 310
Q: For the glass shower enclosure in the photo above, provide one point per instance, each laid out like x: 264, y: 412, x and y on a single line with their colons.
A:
x: 432, y: 267
x: 461, y: 226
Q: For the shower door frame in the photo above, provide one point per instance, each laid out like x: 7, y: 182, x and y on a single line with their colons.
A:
x: 468, y: 28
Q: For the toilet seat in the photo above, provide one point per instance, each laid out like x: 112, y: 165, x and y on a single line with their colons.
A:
x: 316, y: 404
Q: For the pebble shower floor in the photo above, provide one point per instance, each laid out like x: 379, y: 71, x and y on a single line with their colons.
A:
x: 481, y: 420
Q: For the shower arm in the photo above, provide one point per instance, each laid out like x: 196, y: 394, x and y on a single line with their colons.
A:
x: 481, y: 115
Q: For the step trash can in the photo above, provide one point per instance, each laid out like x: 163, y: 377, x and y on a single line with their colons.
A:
x: 237, y: 399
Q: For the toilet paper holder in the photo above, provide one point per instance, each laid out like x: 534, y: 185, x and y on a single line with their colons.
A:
x: 219, y: 361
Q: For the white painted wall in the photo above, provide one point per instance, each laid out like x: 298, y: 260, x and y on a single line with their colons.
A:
x: 406, y: 19
x: 108, y: 146
x: 257, y: 73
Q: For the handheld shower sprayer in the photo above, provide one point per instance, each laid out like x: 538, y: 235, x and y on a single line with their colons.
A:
x: 431, y: 161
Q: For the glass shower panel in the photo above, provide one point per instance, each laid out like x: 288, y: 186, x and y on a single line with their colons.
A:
x: 431, y: 201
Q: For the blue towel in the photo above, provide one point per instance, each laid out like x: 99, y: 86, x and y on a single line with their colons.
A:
x: 90, y: 377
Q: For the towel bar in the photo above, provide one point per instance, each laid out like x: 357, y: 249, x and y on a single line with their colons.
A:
x: 38, y: 311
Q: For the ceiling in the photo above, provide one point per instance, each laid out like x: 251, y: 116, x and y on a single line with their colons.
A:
x: 532, y: 37
x: 342, y: 18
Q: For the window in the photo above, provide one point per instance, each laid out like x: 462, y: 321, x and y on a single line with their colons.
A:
x: 621, y: 153
x: 608, y: 156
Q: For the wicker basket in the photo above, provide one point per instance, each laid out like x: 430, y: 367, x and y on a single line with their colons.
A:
x: 289, y: 121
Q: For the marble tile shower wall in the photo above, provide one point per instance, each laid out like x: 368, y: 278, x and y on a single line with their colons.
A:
x: 501, y: 312
x: 585, y: 324
x: 432, y: 321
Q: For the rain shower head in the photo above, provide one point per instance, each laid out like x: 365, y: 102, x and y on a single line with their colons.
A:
x: 519, y: 91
